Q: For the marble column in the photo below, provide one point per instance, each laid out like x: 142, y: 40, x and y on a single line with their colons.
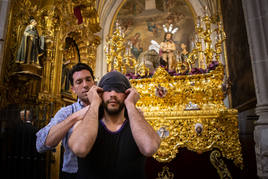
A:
x: 4, y: 12
x: 256, y: 18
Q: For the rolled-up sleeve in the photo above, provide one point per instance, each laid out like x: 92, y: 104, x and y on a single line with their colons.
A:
x: 41, y: 138
x: 42, y: 133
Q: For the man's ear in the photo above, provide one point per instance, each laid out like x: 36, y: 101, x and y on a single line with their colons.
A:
x: 73, y: 90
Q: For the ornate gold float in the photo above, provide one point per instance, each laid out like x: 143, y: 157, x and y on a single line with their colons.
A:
x: 191, y: 114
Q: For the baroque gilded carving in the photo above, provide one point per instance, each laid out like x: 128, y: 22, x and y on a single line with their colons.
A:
x: 56, y: 21
x: 165, y: 174
x: 23, y: 80
x: 39, y: 87
x: 190, y: 115
x: 81, y: 32
x: 218, y: 163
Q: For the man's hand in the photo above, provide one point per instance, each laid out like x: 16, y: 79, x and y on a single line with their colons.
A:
x: 132, y: 96
x: 94, y: 94
x: 79, y: 115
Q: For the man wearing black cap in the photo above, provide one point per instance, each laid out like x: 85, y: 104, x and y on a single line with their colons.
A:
x: 113, y: 138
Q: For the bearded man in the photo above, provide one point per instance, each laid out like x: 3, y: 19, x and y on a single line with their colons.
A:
x: 113, y: 139
x: 167, y: 48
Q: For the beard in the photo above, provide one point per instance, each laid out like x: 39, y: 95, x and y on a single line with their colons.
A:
x: 113, y: 111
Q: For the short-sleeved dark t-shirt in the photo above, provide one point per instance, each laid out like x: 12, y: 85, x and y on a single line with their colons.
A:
x: 115, y: 155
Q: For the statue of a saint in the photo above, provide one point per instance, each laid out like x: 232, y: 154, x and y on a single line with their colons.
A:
x: 168, y: 48
x: 31, y: 46
x: 184, y: 64
x: 184, y: 53
x: 65, y: 83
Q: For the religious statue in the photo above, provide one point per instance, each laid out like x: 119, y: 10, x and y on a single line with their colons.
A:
x: 168, y: 47
x: 71, y: 55
x: 183, y: 64
x: 184, y: 53
x: 65, y: 83
x: 31, y: 46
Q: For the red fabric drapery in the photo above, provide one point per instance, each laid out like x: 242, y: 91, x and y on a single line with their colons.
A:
x: 78, y: 15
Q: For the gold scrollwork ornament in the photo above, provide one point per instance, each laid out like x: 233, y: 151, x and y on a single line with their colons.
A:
x: 165, y: 174
x: 218, y: 163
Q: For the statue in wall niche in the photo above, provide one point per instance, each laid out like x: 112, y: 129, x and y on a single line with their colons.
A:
x: 31, y: 46
x: 71, y: 50
x: 71, y: 55
x: 65, y: 83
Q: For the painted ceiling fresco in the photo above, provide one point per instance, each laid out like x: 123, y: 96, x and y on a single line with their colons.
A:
x: 142, y: 24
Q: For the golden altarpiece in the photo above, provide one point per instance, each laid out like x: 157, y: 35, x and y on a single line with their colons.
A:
x: 67, y: 29
x: 186, y: 110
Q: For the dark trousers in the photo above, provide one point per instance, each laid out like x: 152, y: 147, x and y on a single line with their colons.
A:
x: 65, y: 175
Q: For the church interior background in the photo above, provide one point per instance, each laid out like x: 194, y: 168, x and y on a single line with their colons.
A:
x: 207, y: 100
